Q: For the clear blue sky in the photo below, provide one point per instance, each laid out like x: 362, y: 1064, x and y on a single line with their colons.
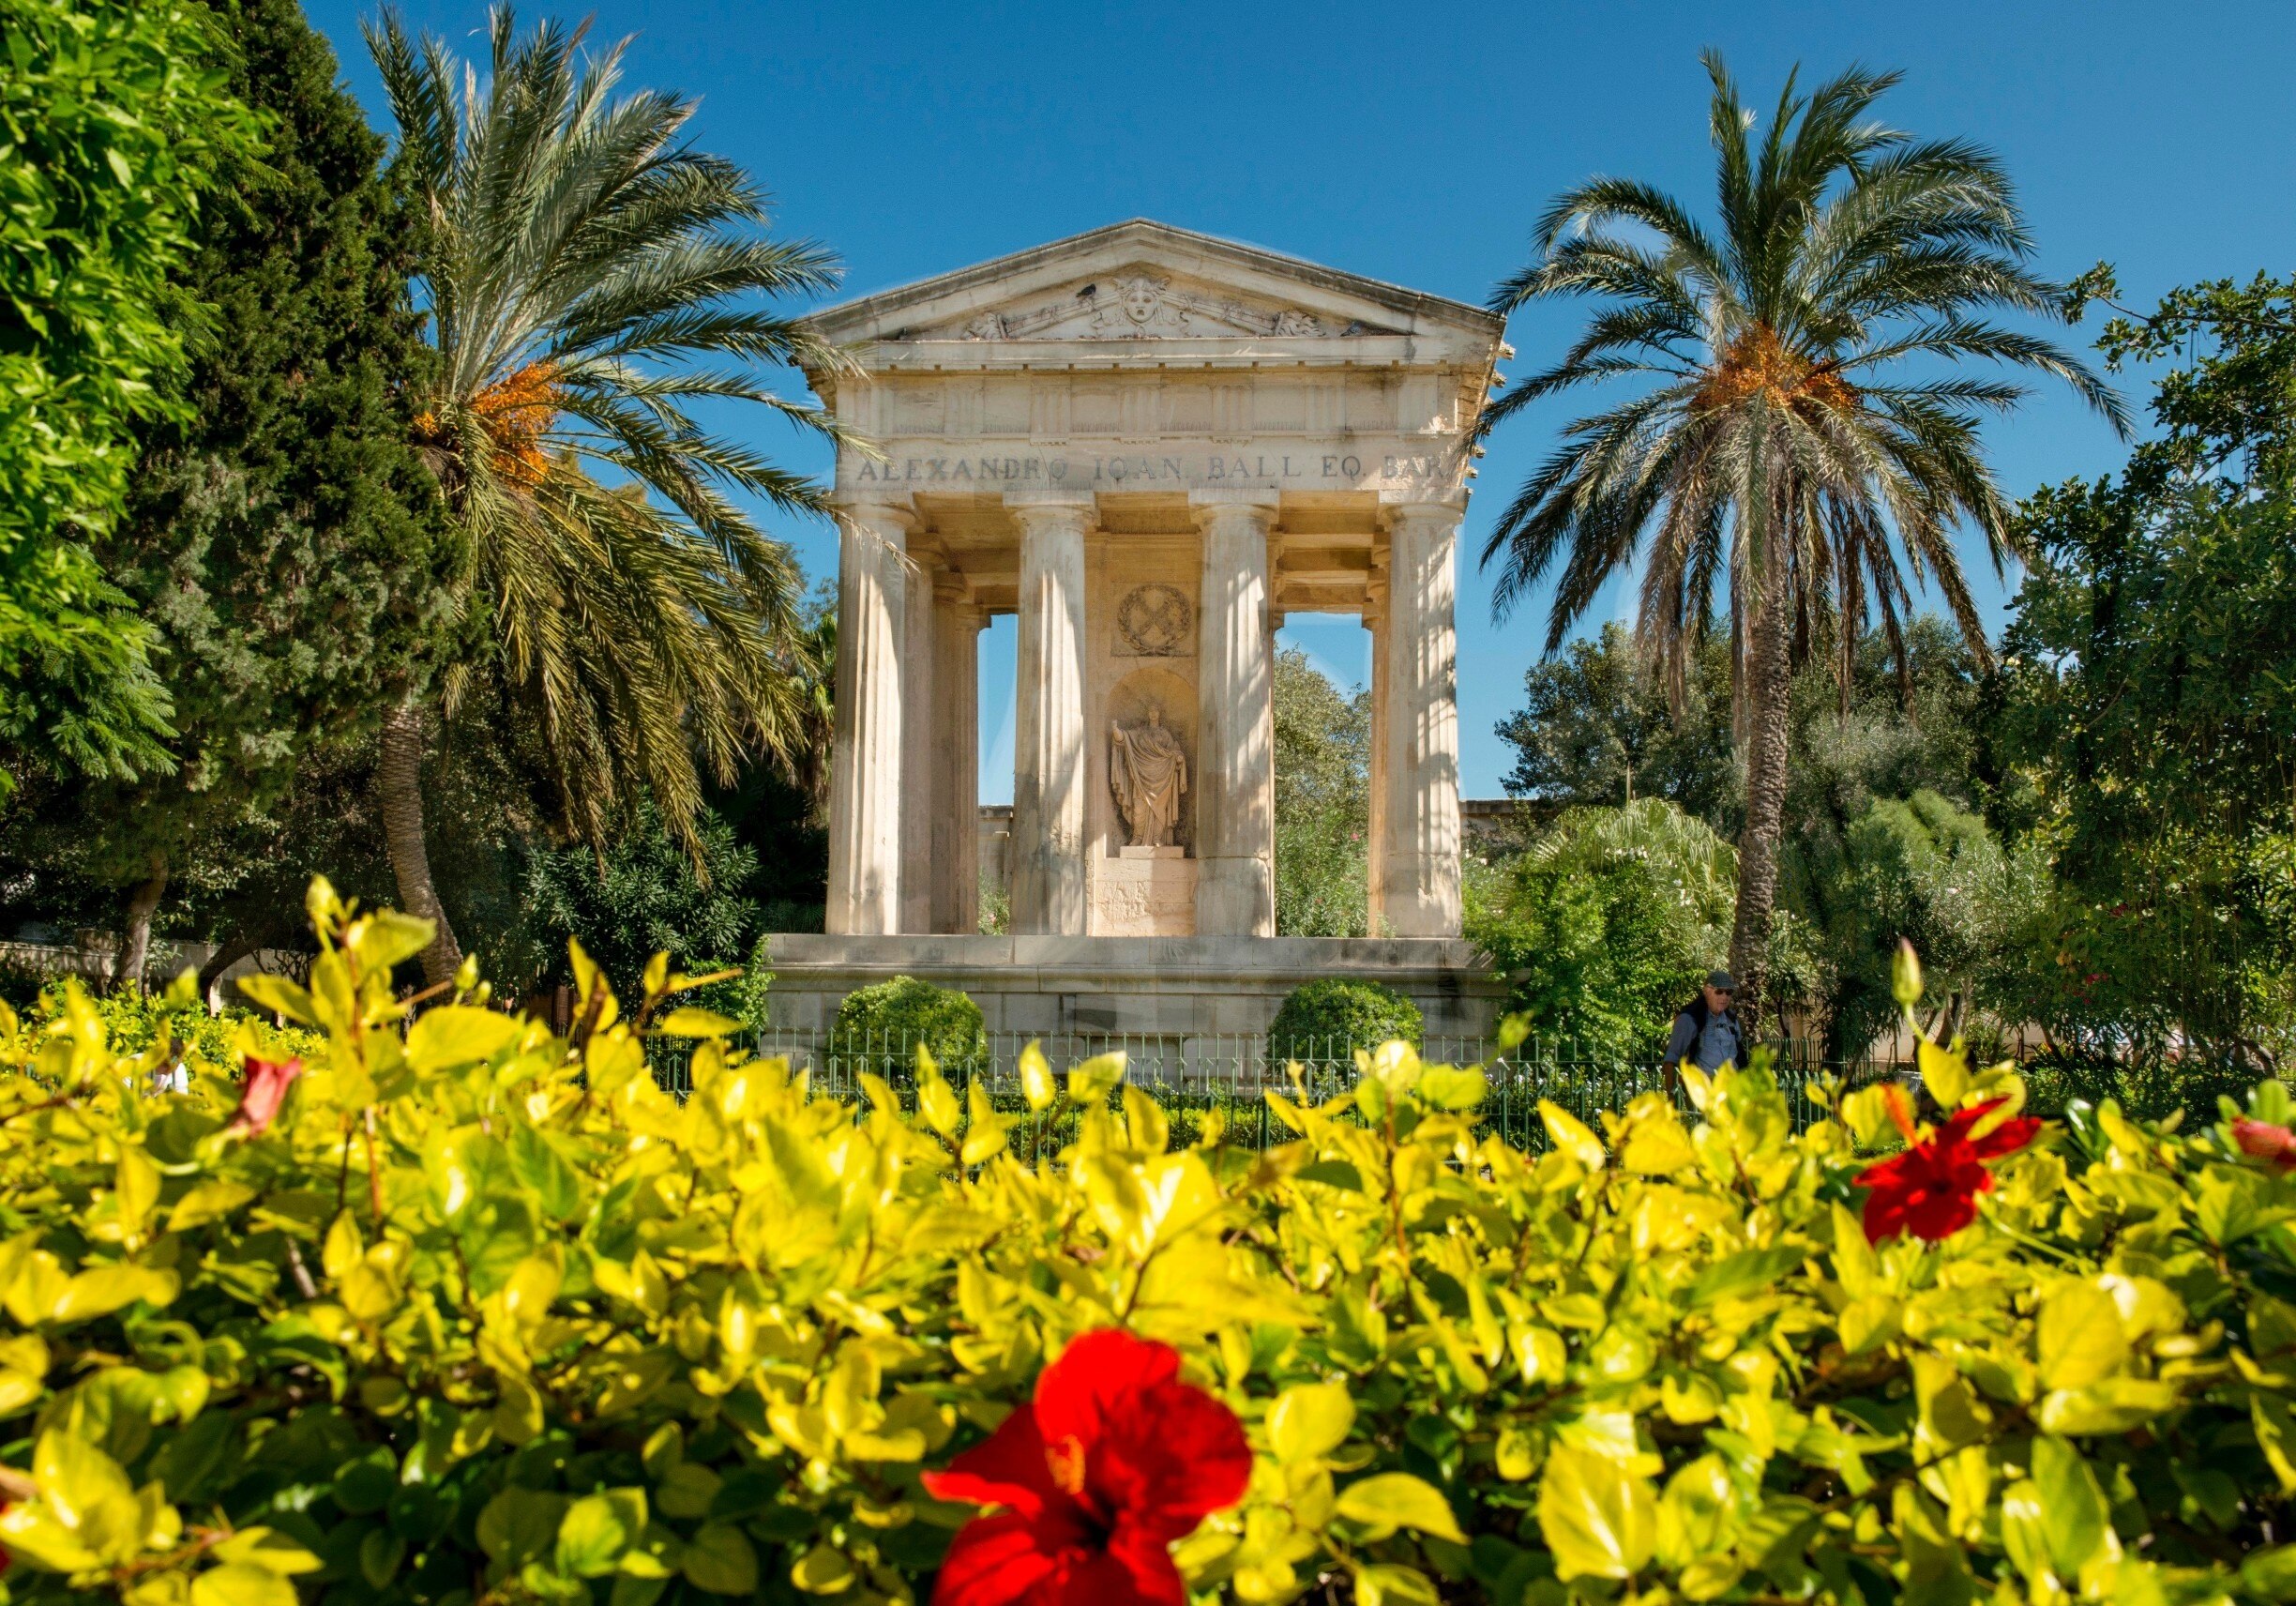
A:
x: 1417, y: 145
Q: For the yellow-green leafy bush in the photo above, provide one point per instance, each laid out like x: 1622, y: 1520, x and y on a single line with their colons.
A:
x: 483, y: 1316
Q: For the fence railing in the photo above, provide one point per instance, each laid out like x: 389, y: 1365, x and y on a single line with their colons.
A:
x: 1194, y: 1075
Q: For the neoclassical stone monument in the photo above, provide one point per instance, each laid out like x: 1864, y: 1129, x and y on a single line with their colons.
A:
x: 1151, y: 445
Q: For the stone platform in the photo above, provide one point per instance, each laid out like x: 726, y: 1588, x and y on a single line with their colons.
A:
x: 1135, y: 986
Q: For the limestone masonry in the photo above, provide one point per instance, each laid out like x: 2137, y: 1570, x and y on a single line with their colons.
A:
x: 1151, y: 445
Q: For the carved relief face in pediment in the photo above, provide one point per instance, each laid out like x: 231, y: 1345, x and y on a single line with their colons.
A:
x: 1139, y: 303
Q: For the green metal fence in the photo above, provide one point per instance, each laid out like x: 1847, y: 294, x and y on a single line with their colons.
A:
x: 1193, y: 1076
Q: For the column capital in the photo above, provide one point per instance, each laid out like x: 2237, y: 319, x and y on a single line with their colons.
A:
x: 879, y: 513
x: 950, y: 586
x: 1421, y: 509
x: 1052, y: 509
x: 1259, y: 506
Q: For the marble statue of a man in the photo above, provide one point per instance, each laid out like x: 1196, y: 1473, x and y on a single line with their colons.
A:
x: 1149, y: 770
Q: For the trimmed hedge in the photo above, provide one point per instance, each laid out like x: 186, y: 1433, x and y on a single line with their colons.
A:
x: 459, y: 1312
x: 897, y: 1015
x: 1342, y: 1013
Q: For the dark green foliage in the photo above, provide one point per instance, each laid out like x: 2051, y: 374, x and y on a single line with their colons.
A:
x: 281, y: 533
x: 892, y: 1018
x: 644, y: 896
x: 1593, y: 730
x: 115, y: 115
x: 1323, y: 802
x: 1606, y: 926
x: 1334, y: 1016
x: 2149, y: 706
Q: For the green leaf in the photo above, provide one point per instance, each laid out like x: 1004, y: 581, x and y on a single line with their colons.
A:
x: 1734, y: 1276
x: 238, y: 1584
x: 536, y: 1162
x: 1096, y: 1077
x: 1310, y: 1421
x: 1036, y: 1083
x: 597, y: 1529
x: 281, y: 996
x: 1601, y: 1516
x: 2075, y: 1523
x: 691, y: 1020
x: 823, y: 1571
x: 720, y: 1561
x: 1390, y: 1500
x: 268, y: 1549
x: 2080, y: 1339
x: 2271, y: 1574
x: 1384, y: 1583
x: 1331, y: 1174
x: 1453, y: 1087
x: 519, y: 1525
x: 455, y: 1035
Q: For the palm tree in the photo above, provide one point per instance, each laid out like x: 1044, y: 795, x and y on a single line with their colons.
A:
x: 1779, y: 445
x: 589, y: 277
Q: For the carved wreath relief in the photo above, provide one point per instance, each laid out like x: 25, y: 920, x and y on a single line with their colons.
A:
x: 1154, y: 619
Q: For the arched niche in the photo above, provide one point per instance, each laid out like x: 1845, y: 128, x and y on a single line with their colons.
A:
x: 1128, y: 702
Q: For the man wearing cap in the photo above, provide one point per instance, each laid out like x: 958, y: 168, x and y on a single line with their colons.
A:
x: 1706, y: 1031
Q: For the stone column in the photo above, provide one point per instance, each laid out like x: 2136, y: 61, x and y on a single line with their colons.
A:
x: 956, y: 777
x: 1049, y: 892
x: 865, y: 782
x: 1417, y: 733
x: 1235, y: 726
x: 921, y: 736
x: 1375, y: 853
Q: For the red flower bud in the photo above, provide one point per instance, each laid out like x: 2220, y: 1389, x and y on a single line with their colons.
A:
x: 262, y: 1092
x: 2275, y: 1145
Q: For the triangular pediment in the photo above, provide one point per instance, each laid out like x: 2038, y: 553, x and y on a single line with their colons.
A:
x: 1143, y: 280
x: 1139, y: 301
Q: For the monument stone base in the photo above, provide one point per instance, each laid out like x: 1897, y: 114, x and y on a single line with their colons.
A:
x: 1180, y: 987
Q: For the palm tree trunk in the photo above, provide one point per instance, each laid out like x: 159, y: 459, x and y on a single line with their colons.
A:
x: 135, y: 939
x: 1769, y: 709
x: 398, y: 787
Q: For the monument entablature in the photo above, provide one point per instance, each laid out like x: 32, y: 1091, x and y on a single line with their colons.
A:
x: 1149, y: 445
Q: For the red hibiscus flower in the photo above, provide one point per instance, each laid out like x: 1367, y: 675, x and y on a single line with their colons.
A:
x: 1931, y: 1189
x: 2266, y: 1142
x: 262, y: 1092
x: 1114, y: 1460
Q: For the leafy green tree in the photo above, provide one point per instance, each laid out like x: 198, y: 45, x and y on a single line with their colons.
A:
x: 281, y: 533
x: 1778, y: 449
x: 115, y: 117
x: 645, y: 895
x: 1919, y: 869
x: 593, y: 279
x: 1596, y: 730
x: 1323, y: 802
x: 1606, y: 926
x: 2148, y: 715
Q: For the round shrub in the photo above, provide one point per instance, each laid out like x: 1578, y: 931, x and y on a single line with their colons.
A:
x: 1342, y: 1014
x: 893, y: 1016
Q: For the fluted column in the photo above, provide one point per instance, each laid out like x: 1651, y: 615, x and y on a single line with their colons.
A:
x: 1235, y: 745
x: 1049, y: 895
x: 1417, y: 728
x: 1375, y: 852
x: 864, y: 780
x: 956, y: 777
x: 920, y: 742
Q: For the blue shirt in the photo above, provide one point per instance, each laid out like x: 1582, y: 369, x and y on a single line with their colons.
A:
x: 1715, y: 1044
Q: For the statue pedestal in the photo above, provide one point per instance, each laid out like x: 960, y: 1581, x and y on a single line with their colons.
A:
x: 1145, y: 892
